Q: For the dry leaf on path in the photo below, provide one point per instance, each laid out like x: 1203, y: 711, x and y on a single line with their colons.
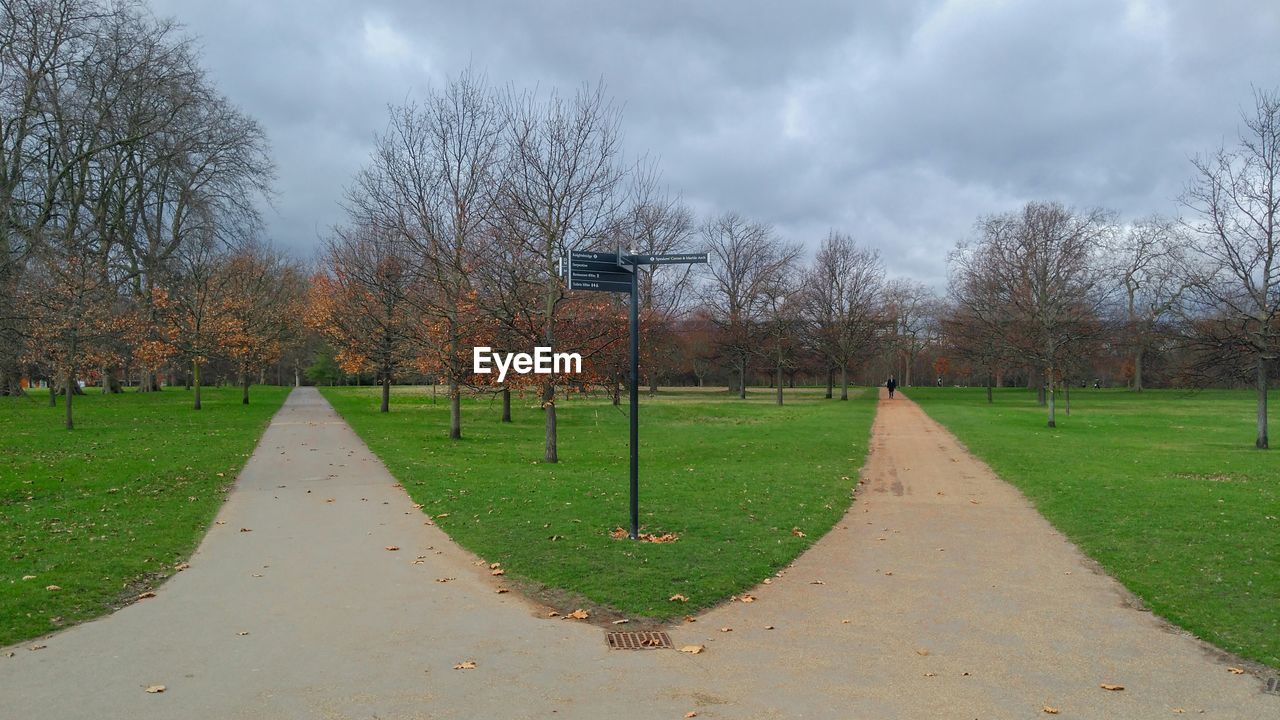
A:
x: 693, y: 649
x: 501, y: 591
x: 553, y: 613
x: 1235, y: 670
x: 579, y: 614
x: 181, y: 566
x: 37, y: 647
x: 443, y: 579
x: 922, y: 652
x: 678, y: 598
x: 747, y: 598
x: 242, y: 633
x: 393, y: 548
x: 1109, y: 686
x: 691, y: 714
x: 155, y: 689
x: 690, y: 618
x: 498, y: 572
x: 468, y: 665
x: 245, y: 530
x: 726, y: 629
x: 145, y: 595
x: 1050, y: 710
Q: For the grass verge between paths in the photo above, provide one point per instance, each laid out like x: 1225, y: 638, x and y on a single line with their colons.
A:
x: 105, y: 511
x: 746, y: 486
x: 1163, y: 488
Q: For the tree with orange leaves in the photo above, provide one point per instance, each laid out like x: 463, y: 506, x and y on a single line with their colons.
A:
x: 360, y: 305
x: 265, y: 293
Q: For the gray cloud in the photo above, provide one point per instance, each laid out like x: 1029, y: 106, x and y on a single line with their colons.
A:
x: 900, y: 122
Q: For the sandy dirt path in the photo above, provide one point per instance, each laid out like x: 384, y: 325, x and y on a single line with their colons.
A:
x: 941, y: 594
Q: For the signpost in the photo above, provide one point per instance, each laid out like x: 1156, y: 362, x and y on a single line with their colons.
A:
x: 615, y: 272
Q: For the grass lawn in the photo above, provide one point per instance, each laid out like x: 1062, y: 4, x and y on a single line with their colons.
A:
x: 1163, y: 488
x: 737, y: 481
x: 105, y: 511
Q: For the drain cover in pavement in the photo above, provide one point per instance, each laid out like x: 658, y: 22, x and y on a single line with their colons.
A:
x: 1273, y: 686
x: 638, y: 640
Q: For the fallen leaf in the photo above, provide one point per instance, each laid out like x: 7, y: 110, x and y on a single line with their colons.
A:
x: 888, y: 572
x: 155, y: 689
x: 1050, y: 710
x: 181, y: 566
x: 501, y: 591
x: 693, y: 649
x: 498, y: 572
x: 468, y: 665
x: 690, y: 618
x: 52, y: 587
x: 1113, y: 688
x: 747, y: 598
x: 553, y: 613
x: 678, y: 598
x: 494, y: 566
x: 245, y: 530
x: 242, y: 633
x: 1235, y: 670
x: 257, y: 574
x: 37, y: 647
x: 145, y: 595
x: 767, y: 581
x: 921, y: 652
x: 844, y: 622
x: 219, y: 522
x: 443, y: 579
x: 623, y: 621
x: 579, y: 614
x: 393, y: 548
x: 816, y: 582
x: 329, y: 500
x: 691, y: 714
x: 768, y: 627
x: 726, y: 629
x: 797, y: 532
x: 442, y: 515
x: 28, y: 577
x: 1178, y: 711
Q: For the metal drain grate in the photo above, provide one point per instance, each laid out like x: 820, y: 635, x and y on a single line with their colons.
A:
x: 638, y: 640
x: 1273, y: 686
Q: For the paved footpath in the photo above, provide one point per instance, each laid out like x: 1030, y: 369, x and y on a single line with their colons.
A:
x: 941, y: 594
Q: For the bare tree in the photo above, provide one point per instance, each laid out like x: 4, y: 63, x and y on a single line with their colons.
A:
x: 1235, y: 281
x: 844, y: 303
x: 747, y: 257
x: 912, y: 308
x: 1034, y: 281
x: 432, y: 184
x: 1149, y: 257
x: 560, y: 193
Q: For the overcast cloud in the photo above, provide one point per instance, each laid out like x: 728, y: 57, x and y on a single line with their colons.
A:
x: 899, y: 122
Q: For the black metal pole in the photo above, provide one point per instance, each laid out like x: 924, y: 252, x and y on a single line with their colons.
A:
x: 635, y: 402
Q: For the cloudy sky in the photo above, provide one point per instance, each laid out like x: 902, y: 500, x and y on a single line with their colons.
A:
x: 900, y: 122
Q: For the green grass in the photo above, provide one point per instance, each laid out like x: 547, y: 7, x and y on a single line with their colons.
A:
x: 106, y: 510
x: 1163, y: 488
x: 731, y: 478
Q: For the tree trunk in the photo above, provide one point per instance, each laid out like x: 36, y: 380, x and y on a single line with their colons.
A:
x: 549, y: 409
x: 1261, y: 443
x: 844, y: 382
x: 1137, y: 370
x: 831, y: 382
x: 53, y: 392
x: 244, y: 388
x: 506, y: 404
x: 742, y: 380
x: 779, y: 370
x: 1052, y: 421
x: 990, y: 382
x: 195, y: 381
x: 906, y: 375
x: 653, y: 384
x: 71, y: 380
x: 1066, y: 395
x: 386, y: 392
x: 455, y: 410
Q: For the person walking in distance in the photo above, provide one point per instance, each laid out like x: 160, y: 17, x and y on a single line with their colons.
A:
x: 892, y: 385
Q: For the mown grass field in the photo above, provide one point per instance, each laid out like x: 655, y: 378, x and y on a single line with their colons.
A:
x: 105, y: 511
x: 745, y: 485
x: 1163, y: 488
